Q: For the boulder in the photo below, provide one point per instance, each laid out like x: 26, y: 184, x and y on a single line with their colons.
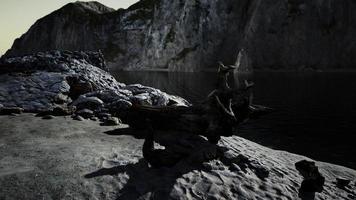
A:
x: 313, y: 180
x: 78, y: 118
x: 86, y: 113
x: 112, y: 121
x: 88, y: 102
x: 120, y: 105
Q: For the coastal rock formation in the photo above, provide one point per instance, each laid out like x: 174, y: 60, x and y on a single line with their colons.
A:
x: 61, y: 83
x: 188, y: 35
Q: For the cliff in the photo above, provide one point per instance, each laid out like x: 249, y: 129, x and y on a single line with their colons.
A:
x: 192, y: 35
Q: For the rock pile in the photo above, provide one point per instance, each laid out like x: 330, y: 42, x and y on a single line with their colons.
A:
x: 65, y: 83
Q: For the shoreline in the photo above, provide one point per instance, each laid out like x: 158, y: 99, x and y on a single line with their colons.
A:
x: 243, y: 72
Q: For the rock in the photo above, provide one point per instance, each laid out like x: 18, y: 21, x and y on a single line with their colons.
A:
x: 104, y: 115
x: 10, y: 110
x: 112, y: 121
x: 78, y: 87
x: 88, y: 102
x: 86, y: 113
x: 342, y: 182
x: 261, y: 172
x: 57, y: 111
x: 61, y: 98
x: 120, y: 105
x: 213, y: 165
x: 228, y: 157
x: 48, y: 117
x: 234, y: 167
x: 40, y: 86
x: 313, y: 180
x: 142, y: 99
x: 78, y: 118
x: 94, y: 118
x: 188, y: 35
x: 63, y: 111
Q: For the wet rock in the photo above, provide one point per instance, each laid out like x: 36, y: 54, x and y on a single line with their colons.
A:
x: 86, y: 113
x: 313, y: 180
x: 342, y: 182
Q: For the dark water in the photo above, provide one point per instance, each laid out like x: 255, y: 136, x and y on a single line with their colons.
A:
x: 316, y: 112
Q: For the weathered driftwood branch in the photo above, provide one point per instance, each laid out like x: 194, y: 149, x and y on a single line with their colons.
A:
x: 223, y: 109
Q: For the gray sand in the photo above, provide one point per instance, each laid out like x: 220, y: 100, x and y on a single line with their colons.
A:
x: 60, y: 159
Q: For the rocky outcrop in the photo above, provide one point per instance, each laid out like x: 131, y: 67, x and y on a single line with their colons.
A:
x: 63, y: 83
x: 190, y: 35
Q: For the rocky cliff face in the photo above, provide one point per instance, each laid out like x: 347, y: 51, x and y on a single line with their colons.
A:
x: 192, y: 35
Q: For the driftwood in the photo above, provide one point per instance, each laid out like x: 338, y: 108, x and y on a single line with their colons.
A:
x: 216, y: 116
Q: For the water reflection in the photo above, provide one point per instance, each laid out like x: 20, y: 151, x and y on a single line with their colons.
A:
x: 315, y: 110
x: 192, y: 86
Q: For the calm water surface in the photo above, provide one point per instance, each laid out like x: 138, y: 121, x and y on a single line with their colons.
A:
x: 316, y: 112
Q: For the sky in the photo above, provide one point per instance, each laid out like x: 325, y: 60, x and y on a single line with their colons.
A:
x: 16, y: 16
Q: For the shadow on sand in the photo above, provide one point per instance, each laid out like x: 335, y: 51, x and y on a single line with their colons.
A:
x: 158, y: 183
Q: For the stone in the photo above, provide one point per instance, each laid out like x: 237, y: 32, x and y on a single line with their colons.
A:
x: 141, y: 99
x: 228, y: 157
x: 79, y: 87
x: 78, y: 118
x: 120, y: 105
x: 234, y: 167
x: 261, y: 172
x: 342, y: 182
x: 313, y: 180
x: 86, y: 113
x: 94, y: 118
x: 104, y: 115
x: 112, y: 121
x: 87, y: 102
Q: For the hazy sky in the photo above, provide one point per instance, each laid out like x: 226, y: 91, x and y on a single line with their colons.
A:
x: 16, y: 16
